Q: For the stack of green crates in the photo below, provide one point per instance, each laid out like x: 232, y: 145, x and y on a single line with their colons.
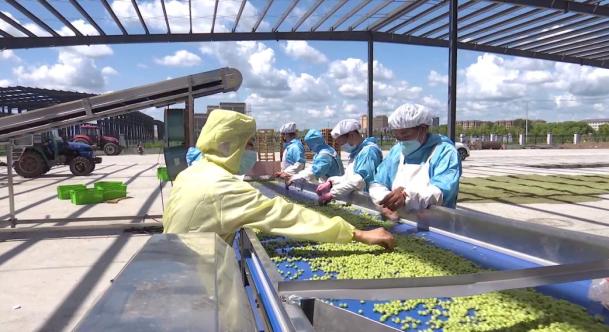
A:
x: 102, y: 191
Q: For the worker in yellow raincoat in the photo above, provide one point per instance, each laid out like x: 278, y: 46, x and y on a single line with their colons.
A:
x: 210, y: 196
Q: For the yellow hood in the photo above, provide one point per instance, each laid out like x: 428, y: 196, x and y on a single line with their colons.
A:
x: 224, y: 137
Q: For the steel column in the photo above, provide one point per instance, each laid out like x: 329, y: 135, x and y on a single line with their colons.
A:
x: 370, y: 86
x: 452, y: 69
x: 11, y: 193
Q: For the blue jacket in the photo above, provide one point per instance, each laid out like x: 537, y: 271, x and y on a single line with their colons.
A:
x: 444, y: 166
x: 324, y: 162
x: 366, y: 157
x: 294, y: 152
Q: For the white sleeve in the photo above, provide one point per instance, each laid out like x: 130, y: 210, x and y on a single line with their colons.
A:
x: 377, y: 192
x: 294, y: 168
x: 422, y: 198
x: 306, y: 174
x: 343, y: 185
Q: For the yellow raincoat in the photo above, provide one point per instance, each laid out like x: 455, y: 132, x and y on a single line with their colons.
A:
x: 208, y: 197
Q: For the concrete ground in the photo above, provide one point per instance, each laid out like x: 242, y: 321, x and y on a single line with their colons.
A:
x: 49, y: 280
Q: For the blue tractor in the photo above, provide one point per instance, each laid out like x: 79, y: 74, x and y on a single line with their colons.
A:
x: 50, y: 150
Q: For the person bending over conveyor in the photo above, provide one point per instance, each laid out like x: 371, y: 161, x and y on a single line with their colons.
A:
x: 293, y: 154
x: 326, y: 161
x: 209, y: 196
x: 421, y: 170
x: 364, y: 157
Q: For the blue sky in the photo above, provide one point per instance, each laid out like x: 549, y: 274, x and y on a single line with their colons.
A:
x: 314, y: 83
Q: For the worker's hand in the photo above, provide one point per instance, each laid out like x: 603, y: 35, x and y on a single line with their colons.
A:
x: 278, y: 174
x: 387, y: 214
x: 379, y: 236
x: 325, y: 198
x: 395, y: 199
x: 282, y: 175
x: 323, y: 188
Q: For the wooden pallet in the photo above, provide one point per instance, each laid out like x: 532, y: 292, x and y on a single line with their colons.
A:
x: 265, y: 144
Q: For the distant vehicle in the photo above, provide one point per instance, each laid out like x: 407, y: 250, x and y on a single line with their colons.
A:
x: 91, y: 135
x: 51, y: 150
x: 463, y: 150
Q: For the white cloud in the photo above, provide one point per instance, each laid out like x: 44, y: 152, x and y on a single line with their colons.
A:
x: 107, y: 71
x: 434, y: 78
x: 300, y: 49
x: 181, y: 58
x: 142, y: 65
x: 9, y: 55
x: 5, y: 83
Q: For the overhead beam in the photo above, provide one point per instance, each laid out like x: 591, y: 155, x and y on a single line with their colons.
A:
x: 587, y: 8
x: 553, y: 33
x: 88, y: 17
x: 418, y: 16
x: 484, y: 20
x: 60, y: 17
x: 581, y: 33
x: 350, y: 14
x: 239, y: 15
x: 370, y: 87
x: 500, y: 24
x: 398, y: 13
x: 213, y: 21
x: 600, y: 41
x: 439, y: 18
x: 16, y: 25
x: 452, y: 68
x: 373, y: 11
x: 285, y: 14
x: 568, y: 44
x: 166, y: 17
x: 139, y: 15
x: 603, y: 46
x: 328, y: 14
x: 509, y: 33
x: 306, y: 15
x: 262, y: 15
x: 114, y: 17
x: 5, y: 34
x: 20, y: 43
x: 32, y: 17
x: 462, y: 19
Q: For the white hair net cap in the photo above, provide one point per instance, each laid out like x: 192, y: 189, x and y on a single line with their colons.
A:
x: 344, y: 127
x: 410, y: 116
x: 288, y: 128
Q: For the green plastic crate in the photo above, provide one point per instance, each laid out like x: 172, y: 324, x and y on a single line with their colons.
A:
x: 64, y: 192
x: 112, y: 189
x: 87, y: 196
x: 162, y: 174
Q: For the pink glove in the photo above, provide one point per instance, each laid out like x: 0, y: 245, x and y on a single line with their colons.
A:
x: 325, y: 198
x: 323, y: 188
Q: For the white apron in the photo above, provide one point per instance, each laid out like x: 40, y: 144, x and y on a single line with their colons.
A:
x: 284, y: 162
x: 414, y: 178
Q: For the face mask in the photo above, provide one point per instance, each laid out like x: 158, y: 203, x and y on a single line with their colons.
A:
x: 247, y: 161
x: 347, y: 147
x: 410, y: 146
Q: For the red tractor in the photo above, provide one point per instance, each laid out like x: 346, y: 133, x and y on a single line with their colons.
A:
x: 90, y: 134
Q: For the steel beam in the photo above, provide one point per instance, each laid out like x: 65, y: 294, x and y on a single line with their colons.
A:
x: 373, y: 11
x: 11, y: 193
x: 5, y: 34
x: 601, y: 41
x: 564, y: 5
x: 32, y: 17
x: 60, y: 17
x: 578, y: 35
x: 463, y: 19
x: 568, y: 44
x: 213, y: 21
x: 603, y: 47
x: 599, y: 55
x: 452, y: 68
x: 88, y: 17
x: 139, y: 15
x: 484, y: 20
x: 370, y: 87
x: 16, y: 25
x: 328, y: 14
x: 439, y: 18
x: 350, y: 14
x: 553, y: 34
x: 19, y: 43
x: 190, y: 14
x: 497, y: 25
x: 166, y: 17
x: 114, y: 17
x: 510, y: 34
x: 285, y: 14
x: 262, y: 15
x: 239, y: 15
x: 306, y: 15
x: 418, y: 16
x: 398, y: 13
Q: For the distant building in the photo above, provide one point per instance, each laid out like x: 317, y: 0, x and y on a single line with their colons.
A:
x: 505, y: 123
x: 380, y: 122
x: 435, y: 121
x: 596, y: 123
x: 237, y: 107
x: 200, y: 119
x: 470, y: 124
x: 363, y: 121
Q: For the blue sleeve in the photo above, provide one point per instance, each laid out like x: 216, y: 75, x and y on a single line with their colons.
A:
x: 295, y: 155
x: 322, y: 164
x: 385, y: 172
x: 445, y: 171
x: 193, y: 154
x: 366, y: 162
